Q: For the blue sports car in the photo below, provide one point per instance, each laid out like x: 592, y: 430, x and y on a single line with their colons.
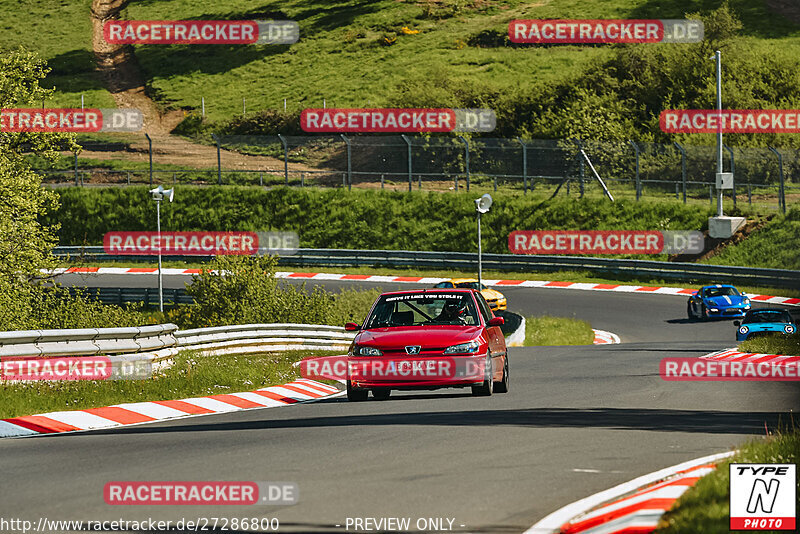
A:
x: 765, y: 321
x: 717, y: 301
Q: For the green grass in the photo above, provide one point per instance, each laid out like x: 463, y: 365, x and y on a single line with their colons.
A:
x: 60, y: 31
x: 549, y: 331
x: 773, y: 245
x: 192, y: 375
x: 777, y: 344
x: 704, y: 509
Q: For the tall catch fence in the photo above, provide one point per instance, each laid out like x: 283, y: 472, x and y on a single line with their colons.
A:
x: 763, y: 176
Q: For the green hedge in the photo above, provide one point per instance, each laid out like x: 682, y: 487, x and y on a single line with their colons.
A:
x: 357, y: 219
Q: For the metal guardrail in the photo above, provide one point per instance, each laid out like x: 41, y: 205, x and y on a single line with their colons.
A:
x: 685, y: 272
x: 151, y: 340
x: 264, y: 337
x: 87, y: 341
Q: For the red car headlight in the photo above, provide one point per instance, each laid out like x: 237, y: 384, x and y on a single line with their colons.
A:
x: 463, y: 348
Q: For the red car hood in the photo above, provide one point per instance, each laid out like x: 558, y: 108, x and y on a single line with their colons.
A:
x: 429, y: 337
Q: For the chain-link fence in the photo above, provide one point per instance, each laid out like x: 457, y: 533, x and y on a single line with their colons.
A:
x: 763, y: 176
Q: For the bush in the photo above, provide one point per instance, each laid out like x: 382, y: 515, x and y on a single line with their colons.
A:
x: 244, y: 290
x: 31, y: 307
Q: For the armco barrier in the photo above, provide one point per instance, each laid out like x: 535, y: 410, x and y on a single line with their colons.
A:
x: 687, y: 272
x: 264, y: 337
x: 157, y: 344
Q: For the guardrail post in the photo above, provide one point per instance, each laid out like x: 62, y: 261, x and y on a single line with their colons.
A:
x: 302, y: 179
x: 781, y: 191
x: 150, y: 151
x: 76, y: 168
x: 638, y: 181
x: 683, y: 169
x: 381, y: 181
x: 349, y: 162
x: 733, y: 172
x: 524, y: 165
x: 285, y: 158
x: 410, y: 168
x: 466, y: 159
x: 749, y: 195
x: 219, y: 159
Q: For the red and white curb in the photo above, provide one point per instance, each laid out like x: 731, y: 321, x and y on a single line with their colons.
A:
x: 632, y: 507
x: 733, y: 355
x: 601, y: 337
x: 586, y: 286
x: 134, y: 413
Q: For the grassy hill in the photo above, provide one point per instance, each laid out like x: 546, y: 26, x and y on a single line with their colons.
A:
x: 459, y: 56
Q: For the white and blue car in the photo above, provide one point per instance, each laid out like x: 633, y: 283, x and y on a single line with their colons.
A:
x: 717, y: 301
x: 765, y: 321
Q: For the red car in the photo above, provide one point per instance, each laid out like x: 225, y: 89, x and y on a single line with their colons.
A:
x: 427, y: 339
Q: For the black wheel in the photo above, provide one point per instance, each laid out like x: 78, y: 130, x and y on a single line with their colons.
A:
x: 690, y: 311
x: 356, y: 395
x: 502, y: 386
x: 381, y: 393
x: 703, y: 312
x: 485, y: 389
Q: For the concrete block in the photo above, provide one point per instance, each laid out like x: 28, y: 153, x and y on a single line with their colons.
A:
x: 724, y: 227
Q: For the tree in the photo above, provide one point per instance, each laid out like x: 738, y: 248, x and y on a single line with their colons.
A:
x: 25, y: 244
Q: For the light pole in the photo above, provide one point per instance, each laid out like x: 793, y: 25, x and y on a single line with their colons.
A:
x: 158, y: 195
x: 482, y: 205
x: 718, y: 56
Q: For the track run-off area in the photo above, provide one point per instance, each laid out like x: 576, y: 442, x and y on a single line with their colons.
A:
x: 577, y: 420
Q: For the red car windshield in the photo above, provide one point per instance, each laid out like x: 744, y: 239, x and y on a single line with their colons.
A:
x: 423, y: 309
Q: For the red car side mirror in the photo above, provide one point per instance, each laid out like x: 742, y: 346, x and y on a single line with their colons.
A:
x: 497, y: 321
x: 351, y: 326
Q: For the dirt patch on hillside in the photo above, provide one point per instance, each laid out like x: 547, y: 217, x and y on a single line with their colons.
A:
x: 122, y: 75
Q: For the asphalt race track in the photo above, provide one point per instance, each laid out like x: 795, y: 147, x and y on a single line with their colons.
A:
x: 577, y: 420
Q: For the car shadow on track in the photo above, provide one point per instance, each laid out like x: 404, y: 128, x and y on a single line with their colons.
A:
x: 659, y: 420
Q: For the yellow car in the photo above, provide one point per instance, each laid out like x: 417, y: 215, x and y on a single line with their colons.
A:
x: 496, y: 300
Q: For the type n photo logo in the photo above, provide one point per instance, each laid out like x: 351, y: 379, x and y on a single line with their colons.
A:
x: 763, y: 496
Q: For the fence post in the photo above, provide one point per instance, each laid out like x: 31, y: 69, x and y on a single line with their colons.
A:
x: 76, y: 168
x: 349, y: 162
x: 733, y: 172
x: 129, y: 177
x: 524, y: 165
x: 638, y: 180
x: 710, y: 195
x: 683, y: 169
x: 749, y: 195
x: 578, y: 142
x: 285, y: 158
x: 219, y: 159
x: 302, y: 179
x: 410, y: 168
x: 677, y: 196
x: 261, y: 178
x: 781, y: 191
x: 381, y: 181
x: 466, y: 158
x: 150, y: 151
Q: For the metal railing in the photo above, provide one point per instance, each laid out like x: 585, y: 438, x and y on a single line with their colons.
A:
x: 438, y: 162
x: 466, y: 261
